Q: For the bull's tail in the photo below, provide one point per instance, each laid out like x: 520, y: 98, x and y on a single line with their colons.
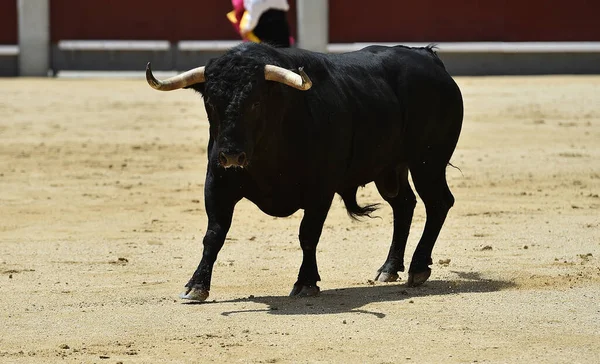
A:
x: 354, y: 210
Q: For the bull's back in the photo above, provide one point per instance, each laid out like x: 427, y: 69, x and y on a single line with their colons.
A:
x: 403, y: 104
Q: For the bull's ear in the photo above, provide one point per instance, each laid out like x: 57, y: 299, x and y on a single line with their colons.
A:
x: 198, y: 87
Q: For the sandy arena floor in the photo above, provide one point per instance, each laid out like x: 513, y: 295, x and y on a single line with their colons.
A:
x: 102, y: 218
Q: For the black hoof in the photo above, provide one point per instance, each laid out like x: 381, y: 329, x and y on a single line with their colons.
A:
x: 386, y: 277
x: 195, y: 294
x: 304, y: 291
x: 417, y: 279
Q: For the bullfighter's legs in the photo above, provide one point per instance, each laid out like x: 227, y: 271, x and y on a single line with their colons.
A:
x: 430, y: 183
x: 310, y: 232
x: 219, y: 208
x: 403, y: 206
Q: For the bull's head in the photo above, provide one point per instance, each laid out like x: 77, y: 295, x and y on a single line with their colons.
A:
x: 231, y: 119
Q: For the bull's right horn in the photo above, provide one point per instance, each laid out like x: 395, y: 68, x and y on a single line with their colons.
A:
x: 182, y: 80
x: 287, y: 77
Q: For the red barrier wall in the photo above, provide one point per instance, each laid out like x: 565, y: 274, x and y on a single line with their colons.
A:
x: 8, y: 22
x: 144, y: 19
x: 350, y: 20
x: 464, y: 20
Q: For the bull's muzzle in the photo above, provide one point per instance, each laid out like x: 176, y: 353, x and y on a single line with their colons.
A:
x: 235, y: 159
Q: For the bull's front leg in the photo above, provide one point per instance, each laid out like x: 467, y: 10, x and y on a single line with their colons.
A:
x: 310, y: 232
x: 219, y: 204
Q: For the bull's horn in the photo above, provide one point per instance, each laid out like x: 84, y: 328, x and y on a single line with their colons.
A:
x: 185, y: 79
x: 287, y: 77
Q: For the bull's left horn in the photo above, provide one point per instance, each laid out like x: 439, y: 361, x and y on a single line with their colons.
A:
x: 182, y: 80
x: 287, y: 77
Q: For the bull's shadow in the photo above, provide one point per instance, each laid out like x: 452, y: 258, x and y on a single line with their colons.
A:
x: 343, y: 300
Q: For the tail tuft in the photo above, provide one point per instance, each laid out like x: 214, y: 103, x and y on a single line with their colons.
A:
x: 354, y: 210
x: 432, y: 49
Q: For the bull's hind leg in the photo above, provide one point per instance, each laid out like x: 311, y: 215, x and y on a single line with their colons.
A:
x: 430, y: 183
x: 310, y: 232
x: 395, y: 189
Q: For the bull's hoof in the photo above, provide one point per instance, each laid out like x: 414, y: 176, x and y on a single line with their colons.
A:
x: 195, y: 294
x: 304, y: 291
x: 386, y: 277
x: 417, y: 279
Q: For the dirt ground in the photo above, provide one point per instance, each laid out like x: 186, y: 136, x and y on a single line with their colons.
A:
x: 102, y: 218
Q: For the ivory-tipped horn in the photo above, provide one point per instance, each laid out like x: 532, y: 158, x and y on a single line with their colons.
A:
x: 182, y: 80
x: 287, y: 77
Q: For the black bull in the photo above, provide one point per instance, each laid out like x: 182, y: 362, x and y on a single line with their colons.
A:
x: 289, y: 140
